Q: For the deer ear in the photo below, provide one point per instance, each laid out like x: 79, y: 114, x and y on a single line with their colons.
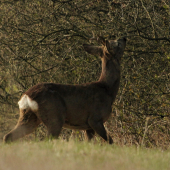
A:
x: 107, y: 45
x: 94, y: 50
x: 101, y: 40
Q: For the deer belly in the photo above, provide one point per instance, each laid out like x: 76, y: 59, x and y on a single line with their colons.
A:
x: 77, y: 119
x: 76, y: 126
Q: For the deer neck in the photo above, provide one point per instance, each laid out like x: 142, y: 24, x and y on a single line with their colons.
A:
x: 110, y: 74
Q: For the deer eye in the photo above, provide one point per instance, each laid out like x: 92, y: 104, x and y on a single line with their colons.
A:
x: 119, y: 45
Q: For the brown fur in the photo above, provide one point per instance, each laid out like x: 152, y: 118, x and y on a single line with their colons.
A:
x: 83, y: 107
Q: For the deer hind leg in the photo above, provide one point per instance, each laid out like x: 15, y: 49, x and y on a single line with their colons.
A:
x: 53, y: 118
x: 98, y: 127
x: 54, y: 127
x: 90, y: 134
x: 27, y: 122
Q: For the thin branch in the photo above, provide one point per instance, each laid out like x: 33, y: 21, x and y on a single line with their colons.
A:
x: 148, y: 16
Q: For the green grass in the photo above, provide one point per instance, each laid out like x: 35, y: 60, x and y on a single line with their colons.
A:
x: 57, y: 154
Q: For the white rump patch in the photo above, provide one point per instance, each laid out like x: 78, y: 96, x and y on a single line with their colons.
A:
x: 26, y: 103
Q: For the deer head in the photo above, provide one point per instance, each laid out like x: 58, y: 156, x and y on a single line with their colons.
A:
x: 110, y: 49
x: 111, y: 52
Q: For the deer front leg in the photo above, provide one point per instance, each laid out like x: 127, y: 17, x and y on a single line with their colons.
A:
x: 90, y: 134
x: 98, y: 127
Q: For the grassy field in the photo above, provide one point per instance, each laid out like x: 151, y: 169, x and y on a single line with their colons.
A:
x: 57, y: 154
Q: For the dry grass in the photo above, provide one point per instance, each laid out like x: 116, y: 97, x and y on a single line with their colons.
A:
x: 58, y: 154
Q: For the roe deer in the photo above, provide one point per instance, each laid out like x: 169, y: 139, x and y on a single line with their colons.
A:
x: 84, y: 107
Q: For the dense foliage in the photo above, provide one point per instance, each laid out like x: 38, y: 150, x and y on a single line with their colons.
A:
x: 41, y: 41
